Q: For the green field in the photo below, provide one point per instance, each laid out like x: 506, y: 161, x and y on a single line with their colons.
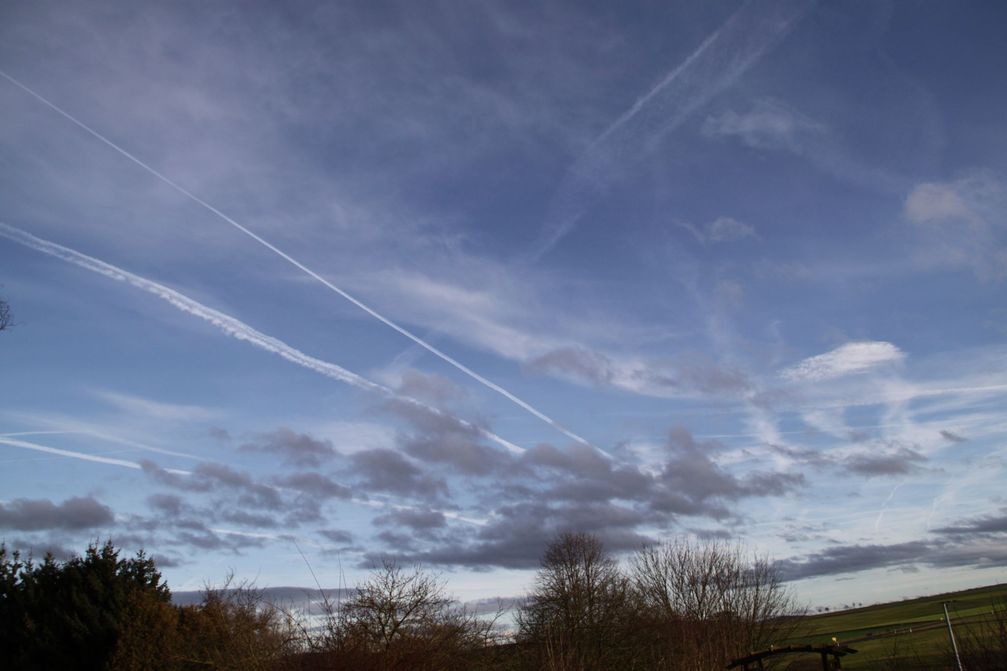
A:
x: 887, y: 628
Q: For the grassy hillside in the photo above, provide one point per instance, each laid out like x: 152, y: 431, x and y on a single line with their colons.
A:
x: 904, y: 630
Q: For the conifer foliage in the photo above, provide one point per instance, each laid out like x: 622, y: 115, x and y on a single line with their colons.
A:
x: 70, y: 615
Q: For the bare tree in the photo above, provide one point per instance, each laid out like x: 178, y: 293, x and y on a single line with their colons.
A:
x: 402, y: 619
x: 710, y: 600
x: 576, y: 614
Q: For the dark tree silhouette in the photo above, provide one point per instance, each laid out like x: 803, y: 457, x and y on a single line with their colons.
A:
x: 69, y: 615
x: 578, y: 612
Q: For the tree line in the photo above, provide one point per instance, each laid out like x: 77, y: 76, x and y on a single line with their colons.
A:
x: 680, y: 605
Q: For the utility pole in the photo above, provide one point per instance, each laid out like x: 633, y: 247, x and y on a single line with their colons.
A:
x: 951, y: 633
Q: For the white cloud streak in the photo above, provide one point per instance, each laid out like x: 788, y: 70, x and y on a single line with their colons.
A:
x: 226, y: 323
x: 300, y: 266
x: 854, y: 357
x: 83, y: 456
x: 103, y: 436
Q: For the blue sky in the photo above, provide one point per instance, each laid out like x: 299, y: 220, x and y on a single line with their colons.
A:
x: 734, y: 271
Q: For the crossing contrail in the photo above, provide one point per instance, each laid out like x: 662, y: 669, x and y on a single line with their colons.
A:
x: 232, y: 326
x: 300, y: 266
x: 713, y: 67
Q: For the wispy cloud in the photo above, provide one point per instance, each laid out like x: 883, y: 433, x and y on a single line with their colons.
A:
x: 155, y: 409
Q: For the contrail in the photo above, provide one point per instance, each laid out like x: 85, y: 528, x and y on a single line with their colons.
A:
x: 300, y: 266
x: 81, y: 455
x: 102, y: 436
x: 231, y: 326
x: 713, y: 67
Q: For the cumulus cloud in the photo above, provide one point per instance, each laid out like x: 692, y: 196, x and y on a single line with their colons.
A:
x: 79, y: 512
x: 848, y: 359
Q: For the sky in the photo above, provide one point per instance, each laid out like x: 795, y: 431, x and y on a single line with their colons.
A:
x: 300, y: 287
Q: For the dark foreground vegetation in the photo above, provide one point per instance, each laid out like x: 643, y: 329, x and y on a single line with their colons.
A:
x: 676, y: 606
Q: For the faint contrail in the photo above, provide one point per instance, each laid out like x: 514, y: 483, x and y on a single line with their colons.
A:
x: 81, y: 455
x: 300, y: 266
x: 714, y: 66
x: 231, y: 326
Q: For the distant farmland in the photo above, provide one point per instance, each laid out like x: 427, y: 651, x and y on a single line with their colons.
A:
x: 904, y: 634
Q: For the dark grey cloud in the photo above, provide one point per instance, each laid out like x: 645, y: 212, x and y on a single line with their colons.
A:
x: 413, y: 519
x: 174, y: 480
x: 388, y: 471
x: 299, y: 449
x: 247, y: 519
x: 212, y: 476
x: 982, y: 525
x: 79, y: 512
x: 433, y: 437
x: 518, y: 533
x: 337, y: 536
x: 691, y: 483
x: 943, y: 552
x: 852, y: 558
x: 250, y: 492
x: 37, y: 548
x: 898, y: 461
x: 298, y: 597
x: 207, y: 539
x: 167, y: 504
x: 219, y: 434
x: 315, y: 484
x: 952, y: 436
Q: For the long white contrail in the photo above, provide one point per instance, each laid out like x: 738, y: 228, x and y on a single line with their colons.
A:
x: 230, y: 325
x: 300, y: 266
x: 724, y: 56
x: 84, y: 456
